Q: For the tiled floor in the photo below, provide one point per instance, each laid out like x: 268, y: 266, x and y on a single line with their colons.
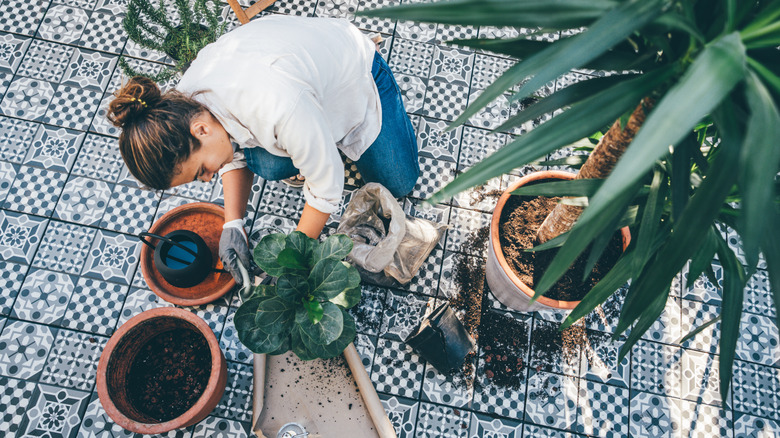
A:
x: 69, y: 259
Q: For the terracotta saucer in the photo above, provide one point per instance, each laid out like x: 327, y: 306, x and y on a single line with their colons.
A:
x: 206, y: 220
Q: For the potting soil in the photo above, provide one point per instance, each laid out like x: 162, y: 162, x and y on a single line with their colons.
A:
x: 520, y: 218
x: 169, y: 374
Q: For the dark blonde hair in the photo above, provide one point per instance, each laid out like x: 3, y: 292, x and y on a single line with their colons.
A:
x: 156, y: 135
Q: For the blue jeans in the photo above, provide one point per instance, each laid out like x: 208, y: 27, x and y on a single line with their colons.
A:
x: 392, y: 158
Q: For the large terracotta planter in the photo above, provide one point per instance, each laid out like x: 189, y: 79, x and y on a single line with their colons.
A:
x: 502, y: 280
x: 120, y: 352
x: 206, y: 220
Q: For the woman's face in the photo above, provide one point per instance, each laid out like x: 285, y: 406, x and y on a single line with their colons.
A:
x: 215, y: 151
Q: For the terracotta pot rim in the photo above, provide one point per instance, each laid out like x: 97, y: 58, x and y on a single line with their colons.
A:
x: 499, y: 254
x: 216, y: 381
x: 164, y: 290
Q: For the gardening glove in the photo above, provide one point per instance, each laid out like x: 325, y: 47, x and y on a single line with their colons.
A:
x: 234, y: 249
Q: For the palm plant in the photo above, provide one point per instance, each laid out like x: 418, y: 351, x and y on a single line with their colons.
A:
x: 702, y: 81
x: 197, y: 25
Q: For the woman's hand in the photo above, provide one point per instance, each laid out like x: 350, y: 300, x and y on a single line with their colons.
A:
x: 234, y: 249
x: 312, y: 221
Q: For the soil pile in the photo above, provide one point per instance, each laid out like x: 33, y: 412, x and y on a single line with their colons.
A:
x: 169, y: 374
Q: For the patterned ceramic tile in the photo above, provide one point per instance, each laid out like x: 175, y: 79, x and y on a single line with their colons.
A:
x: 214, y: 313
x: 702, y: 288
x: 413, y: 30
x: 99, y: 158
x: 336, y: 8
x: 702, y: 421
x: 397, y: 370
x: 236, y: 402
x: 452, y: 66
x: 23, y: 349
x: 27, y: 98
x: 44, y: 296
x: 491, y: 115
x: 504, y: 400
x: 112, y: 258
x: 758, y: 341
x: 130, y: 210
x: 411, y: 57
x: 412, y: 91
x: 12, y: 50
x: 656, y: 368
x: 402, y: 412
x: 73, y: 360
x: 15, y: 138
x: 602, y: 410
x: 281, y: 200
x: 46, y: 61
x: 103, y: 32
x: 90, y: 70
x: 403, y: 312
x: 666, y: 328
x: 15, y: 396
x: 550, y: 353
x: 83, y: 200
x: 435, y: 421
x: 64, y: 247
x: 700, y: 377
x: 552, y: 400
x: 536, y: 431
x: 54, y: 412
x: 73, y: 107
x: 20, y: 235
x: 7, y: 177
x: 35, y: 191
x: 434, y: 142
x: 758, y: 297
x: 137, y: 301
x: 755, y: 389
x: 654, y: 416
x: 434, y: 175
x: 95, y: 306
x: 63, y: 24
x: 600, y: 360
x: 375, y: 24
x: 463, y: 225
x: 478, y: 144
x: 22, y: 16
x: 11, y: 278
x: 484, y: 425
x: 695, y: 314
x: 454, y: 390
x: 54, y: 149
x: 747, y: 426
x: 101, y: 124
x: 487, y: 69
x: 444, y: 100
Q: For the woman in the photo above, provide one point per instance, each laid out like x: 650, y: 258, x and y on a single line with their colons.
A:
x: 291, y: 92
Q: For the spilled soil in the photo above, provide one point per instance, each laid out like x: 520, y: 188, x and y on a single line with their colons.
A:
x: 169, y: 374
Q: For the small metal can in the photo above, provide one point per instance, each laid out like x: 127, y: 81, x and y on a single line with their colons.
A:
x: 292, y: 430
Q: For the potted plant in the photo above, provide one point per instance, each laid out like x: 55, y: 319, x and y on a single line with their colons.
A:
x: 162, y: 370
x: 305, y: 310
x: 194, y: 27
x: 702, y: 82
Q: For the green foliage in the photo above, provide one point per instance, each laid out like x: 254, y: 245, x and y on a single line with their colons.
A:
x: 197, y: 23
x: 305, y: 311
x: 705, y: 159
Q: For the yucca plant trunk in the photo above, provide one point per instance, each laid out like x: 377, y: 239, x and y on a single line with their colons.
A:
x: 598, y: 165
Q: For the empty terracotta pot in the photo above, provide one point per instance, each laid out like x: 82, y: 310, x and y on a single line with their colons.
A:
x: 504, y: 283
x: 117, y: 360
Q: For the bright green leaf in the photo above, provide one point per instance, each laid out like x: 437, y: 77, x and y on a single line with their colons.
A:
x: 275, y: 316
x: 267, y: 251
x: 314, y: 311
x: 336, y: 246
x: 347, y: 299
x: 328, y: 329
x: 250, y: 334
x: 731, y: 311
x: 292, y: 259
x: 330, y: 277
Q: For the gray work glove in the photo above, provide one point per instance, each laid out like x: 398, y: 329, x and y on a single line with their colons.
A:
x: 233, y: 248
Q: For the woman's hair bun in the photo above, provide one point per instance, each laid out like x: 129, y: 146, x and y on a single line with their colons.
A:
x: 134, y: 99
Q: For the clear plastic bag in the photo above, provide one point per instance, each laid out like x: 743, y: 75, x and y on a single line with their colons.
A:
x: 390, y: 246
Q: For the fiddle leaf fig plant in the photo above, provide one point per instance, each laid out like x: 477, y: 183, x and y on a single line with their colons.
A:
x: 306, y: 309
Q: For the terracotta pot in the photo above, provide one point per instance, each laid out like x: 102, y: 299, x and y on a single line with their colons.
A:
x: 206, y: 220
x: 118, y: 357
x: 502, y: 280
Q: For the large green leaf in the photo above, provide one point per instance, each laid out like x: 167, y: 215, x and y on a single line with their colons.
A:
x: 335, y: 348
x: 693, y: 225
x: 651, y: 218
x: 731, y: 312
x: 610, y: 29
x: 759, y: 160
x: 313, y: 309
x: 572, y: 187
x: 267, y: 251
x: 275, y: 316
x: 573, y: 124
x: 298, y: 347
x: 292, y: 287
x: 347, y: 299
x: 292, y: 259
x: 328, y: 329
x: 303, y: 245
x: 704, y: 85
x: 554, y: 15
x: 567, y: 96
x: 255, y: 339
x: 336, y: 246
x: 330, y: 277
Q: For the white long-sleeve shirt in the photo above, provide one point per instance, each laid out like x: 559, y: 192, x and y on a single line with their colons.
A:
x: 297, y: 87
